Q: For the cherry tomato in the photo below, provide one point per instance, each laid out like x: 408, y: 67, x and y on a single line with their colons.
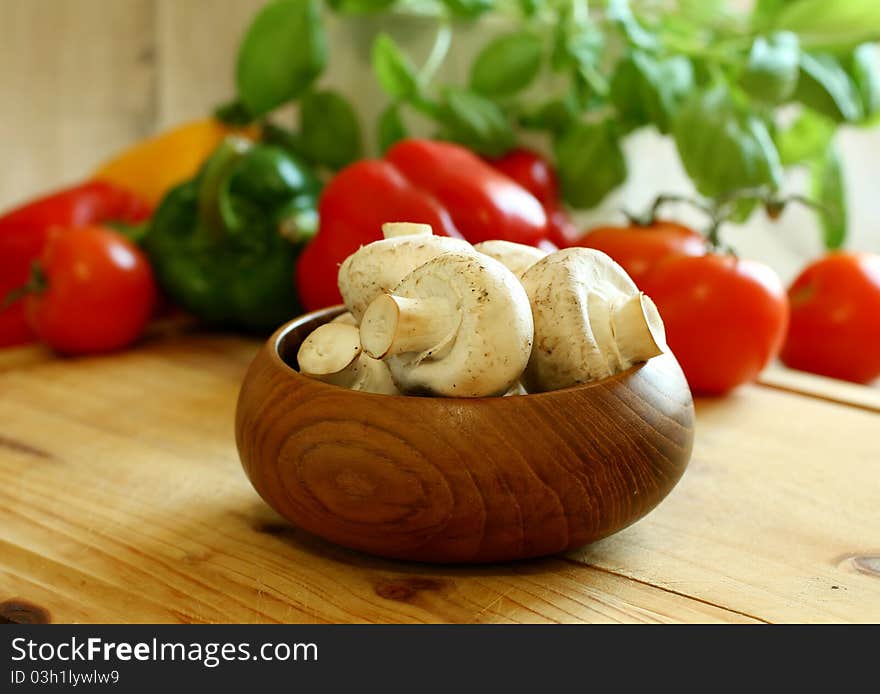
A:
x: 98, y: 291
x: 639, y: 248
x: 536, y: 174
x: 725, y: 317
x: 835, y: 318
x: 532, y: 172
x: 561, y: 230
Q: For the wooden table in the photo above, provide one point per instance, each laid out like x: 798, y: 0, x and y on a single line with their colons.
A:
x: 122, y: 500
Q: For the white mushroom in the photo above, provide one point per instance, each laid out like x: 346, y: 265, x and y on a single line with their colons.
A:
x: 345, y: 318
x: 391, y: 230
x: 332, y: 353
x: 591, y: 321
x: 516, y: 257
x: 458, y: 325
x: 379, y: 266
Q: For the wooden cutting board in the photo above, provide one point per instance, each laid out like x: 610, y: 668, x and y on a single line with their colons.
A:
x: 122, y: 500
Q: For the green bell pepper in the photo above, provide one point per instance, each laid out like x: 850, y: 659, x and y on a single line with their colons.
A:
x: 224, y: 244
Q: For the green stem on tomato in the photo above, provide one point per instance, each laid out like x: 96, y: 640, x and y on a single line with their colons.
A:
x: 713, y: 233
x: 37, y: 282
x: 648, y: 217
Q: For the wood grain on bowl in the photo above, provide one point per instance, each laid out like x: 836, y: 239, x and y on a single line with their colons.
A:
x: 456, y: 479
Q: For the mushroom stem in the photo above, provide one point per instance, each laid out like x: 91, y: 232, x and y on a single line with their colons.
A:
x: 330, y: 353
x: 391, y: 230
x: 396, y: 324
x: 638, y: 329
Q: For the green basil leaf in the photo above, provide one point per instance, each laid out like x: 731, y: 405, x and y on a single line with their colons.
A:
x: 395, y: 72
x: 830, y: 22
x: 475, y: 122
x: 806, y: 139
x: 590, y: 162
x: 829, y: 191
x: 283, y: 51
x: 625, y: 93
x: 646, y: 90
x: 360, y: 6
x: 620, y: 13
x: 468, y: 9
x: 507, y: 64
x: 576, y: 44
x: 765, y: 12
x: 864, y: 68
x: 390, y: 128
x: 585, y: 46
x: 701, y: 11
x: 529, y: 7
x: 825, y: 87
x: 330, y: 129
x: 771, y: 74
x: 724, y: 147
x: 554, y: 115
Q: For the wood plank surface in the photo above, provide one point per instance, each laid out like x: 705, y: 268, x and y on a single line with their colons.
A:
x: 830, y: 389
x: 781, y: 495
x: 122, y: 500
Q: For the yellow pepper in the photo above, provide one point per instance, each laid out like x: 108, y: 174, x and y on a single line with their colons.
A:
x: 152, y: 167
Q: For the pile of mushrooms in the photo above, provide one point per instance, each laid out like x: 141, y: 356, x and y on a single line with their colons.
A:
x: 433, y: 315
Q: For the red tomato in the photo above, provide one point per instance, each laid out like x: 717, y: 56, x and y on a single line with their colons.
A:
x: 99, y: 292
x: 533, y: 172
x: 835, y: 318
x: 561, y: 230
x: 24, y: 230
x: 725, y: 317
x: 639, y: 248
x: 536, y: 174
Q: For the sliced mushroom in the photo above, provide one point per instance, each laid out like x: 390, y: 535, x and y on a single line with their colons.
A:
x: 516, y: 257
x: 458, y: 325
x: 332, y: 353
x: 379, y: 266
x: 591, y: 321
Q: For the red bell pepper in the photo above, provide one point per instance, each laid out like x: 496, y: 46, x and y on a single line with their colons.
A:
x: 534, y: 173
x: 23, y: 233
x: 437, y: 183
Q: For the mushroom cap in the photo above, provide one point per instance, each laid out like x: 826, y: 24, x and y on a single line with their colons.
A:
x: 573, y: 293
x: 516, y: 257
x: 345, y: 318
x: 491, y: 340
x: 379, y: 266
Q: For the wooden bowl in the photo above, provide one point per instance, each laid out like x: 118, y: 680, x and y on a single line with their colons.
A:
x: 458, y: 479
